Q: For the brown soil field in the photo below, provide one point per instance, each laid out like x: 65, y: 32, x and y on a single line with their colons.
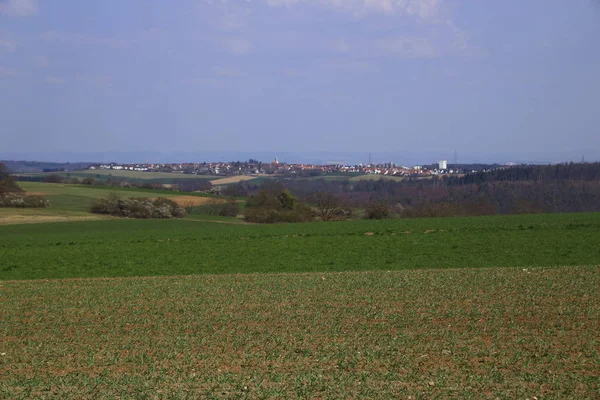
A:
x: 233, y: 179
x: 195, y: 200
x: 490, y: 333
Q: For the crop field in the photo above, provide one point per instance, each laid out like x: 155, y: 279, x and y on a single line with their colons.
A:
x: 479, y: 307
x: 122, y: 247
x: 234, y: 179
x: 468, y: 333
x: 80, y: 197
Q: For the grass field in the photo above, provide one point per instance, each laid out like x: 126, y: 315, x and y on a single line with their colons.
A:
x: 468, y: 334
x: 118, y: 248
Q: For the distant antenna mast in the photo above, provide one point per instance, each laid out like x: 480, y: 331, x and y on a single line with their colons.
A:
x: 455, y: 160
x: 369, y: 158
x: 582, y: 159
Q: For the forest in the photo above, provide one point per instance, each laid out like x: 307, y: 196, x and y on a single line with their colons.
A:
x: 515, y: 190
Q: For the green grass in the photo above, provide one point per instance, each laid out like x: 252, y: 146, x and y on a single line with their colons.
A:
x: 467, y: 334
x: 118, y: 248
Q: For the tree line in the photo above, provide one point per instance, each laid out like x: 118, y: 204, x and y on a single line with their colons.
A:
x: 516, y: 190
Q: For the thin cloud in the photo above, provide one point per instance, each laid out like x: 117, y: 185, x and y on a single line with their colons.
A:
x: 78, y: 39
x: 55, y: 80
x: 96, y: 80
x: 19, y: 8
x: 5, y: 71
x: 237, y: 45
x: 424, y: 9
x: 407, y: 47
x: 225, y: 71
x: 41, y: 61
x: 7, y: 45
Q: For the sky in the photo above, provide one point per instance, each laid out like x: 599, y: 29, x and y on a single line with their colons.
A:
x: 511, y: 77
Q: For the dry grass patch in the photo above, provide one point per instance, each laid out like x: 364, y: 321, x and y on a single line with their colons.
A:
x: 233, y: 179
x: 187, y: 201
x: 36, y: 219
x: 14, y: 216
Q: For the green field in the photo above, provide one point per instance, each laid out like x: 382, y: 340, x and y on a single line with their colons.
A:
x: 118, y: 248
x: 479, y: 307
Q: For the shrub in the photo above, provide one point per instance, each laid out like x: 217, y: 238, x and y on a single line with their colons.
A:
x: 137, y: 207
x: 161, y: 201
x: 276, y: 205
x: 230, y: 209
x: 21, y: 200
x: 378, y: 210
x: 54, y: 178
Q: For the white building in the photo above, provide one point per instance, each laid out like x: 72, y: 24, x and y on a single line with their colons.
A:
x: 443, y: 164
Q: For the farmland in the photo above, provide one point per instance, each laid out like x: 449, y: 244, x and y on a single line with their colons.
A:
x: 119, y: 248
x: 469, y: 333
x: 234, y: 179
x: 479, y: 307
x: 64, y: 197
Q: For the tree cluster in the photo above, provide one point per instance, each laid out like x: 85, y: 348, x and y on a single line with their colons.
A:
x: 138, y: 207
x: 276, y: 204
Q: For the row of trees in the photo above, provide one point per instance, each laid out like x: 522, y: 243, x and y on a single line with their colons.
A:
x: 275, y: 203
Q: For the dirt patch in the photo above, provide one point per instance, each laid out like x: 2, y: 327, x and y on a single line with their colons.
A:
x: 35, y: 193
x: 232, y: 179
x: 36, y: 219
x: 369, y: 233
x: 195, y: 200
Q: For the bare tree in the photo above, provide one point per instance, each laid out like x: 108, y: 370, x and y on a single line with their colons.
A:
x: 329, y: 207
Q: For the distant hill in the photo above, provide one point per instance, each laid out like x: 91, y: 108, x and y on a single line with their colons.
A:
x: 22, y: 167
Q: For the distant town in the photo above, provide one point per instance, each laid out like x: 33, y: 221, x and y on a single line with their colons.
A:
x: 255, y: 167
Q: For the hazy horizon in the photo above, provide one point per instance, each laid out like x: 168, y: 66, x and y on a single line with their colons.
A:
x: 495, y: 81
x: 317, y: 157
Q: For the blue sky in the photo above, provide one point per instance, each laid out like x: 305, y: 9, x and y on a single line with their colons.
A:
x: 479, y: 76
